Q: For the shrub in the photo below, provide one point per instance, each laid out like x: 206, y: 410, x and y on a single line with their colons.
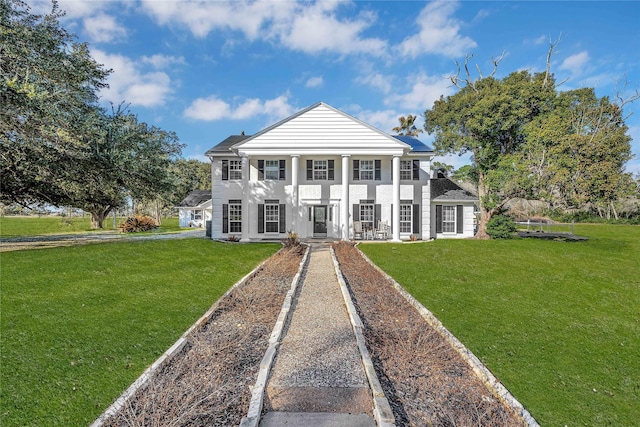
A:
x: 291, y: 240
x: 137, y: 224
x: 501, y: 227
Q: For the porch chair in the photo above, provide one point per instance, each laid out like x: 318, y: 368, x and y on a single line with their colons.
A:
x: 357, y: 230
x: 382, y: 232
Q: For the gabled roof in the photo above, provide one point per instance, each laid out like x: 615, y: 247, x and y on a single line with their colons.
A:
x: 195, y: 198
x: 445, y: 190
x: 225, y: 146
x: 319, y: 129
x: 415, y: 144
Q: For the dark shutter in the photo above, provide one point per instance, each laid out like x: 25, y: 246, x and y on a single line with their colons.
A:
x: 377, y: 214
x: 416, y: 170
x: 330, y: 209
x: 283, y: 218
x: 260, y: 218
x: 309, y: 170
x: 391, y: 225
x: 225, y: 218
x: 356, y: 170
x: 310, y: 212
x: 438, y: 218
x: 260, y: 170
x: 459, y: 219
x: 415, y: 218
x: 356, y: 212
x: 225, y: 170
x: 378, y: 170
x: 283, y: 165
x: 330, y: 173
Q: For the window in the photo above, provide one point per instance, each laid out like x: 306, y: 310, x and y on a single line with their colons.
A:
x: 196, y: 215
x: 406, y: 169
x: 366, y: 169
x: 405, y: 218
x: 231, y: 169
x: 367, y: 215
x: 271, y: 217
x: 272, y: 170
x: 448, y: 219
x: 235, y: 169
x: 320, y: 170
x: 235, y: 216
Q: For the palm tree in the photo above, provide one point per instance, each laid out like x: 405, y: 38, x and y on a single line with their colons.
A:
x: 407, y: 126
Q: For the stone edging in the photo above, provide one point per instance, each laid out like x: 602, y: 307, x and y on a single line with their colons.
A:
x: 485, y: 375
x: 257, y: 396
x: 381, y: 409
x: 142, y: 380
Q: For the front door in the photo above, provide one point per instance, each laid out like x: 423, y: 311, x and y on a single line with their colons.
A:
x: 319, y: 221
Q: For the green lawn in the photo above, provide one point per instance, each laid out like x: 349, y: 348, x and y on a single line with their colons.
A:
x: 19, y: 226
x: 558, y: 323
x: 79, y: 324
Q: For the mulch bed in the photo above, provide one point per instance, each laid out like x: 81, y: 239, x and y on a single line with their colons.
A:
x: 209, y: 382
x: 425, y: 380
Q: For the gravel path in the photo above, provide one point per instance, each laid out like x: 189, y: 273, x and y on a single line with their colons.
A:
x: 318, y: 367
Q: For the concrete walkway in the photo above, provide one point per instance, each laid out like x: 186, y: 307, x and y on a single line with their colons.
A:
x: 318, y: 377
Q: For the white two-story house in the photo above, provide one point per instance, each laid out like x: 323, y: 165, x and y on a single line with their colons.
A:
x: 319, y: 171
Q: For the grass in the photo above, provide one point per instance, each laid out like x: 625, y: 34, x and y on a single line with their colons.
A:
x: 558, y: 323
x: 21, y: 226
x: 79, y: 324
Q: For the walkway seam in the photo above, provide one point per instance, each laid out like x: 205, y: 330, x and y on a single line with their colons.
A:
x: 381, y: 409
x: 142, y: 380
x: 485, y: 375
x: 257, y: 396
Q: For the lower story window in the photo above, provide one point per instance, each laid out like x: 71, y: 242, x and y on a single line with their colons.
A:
x: 235, y: 217
x: 405, y: 218
x: 196, y: 215
x: 367, y: 213
x: 448, y: 219
x: 271, y: 218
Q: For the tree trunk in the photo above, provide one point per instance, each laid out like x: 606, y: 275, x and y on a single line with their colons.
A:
x: 485, y: 214
x: 98, y: 216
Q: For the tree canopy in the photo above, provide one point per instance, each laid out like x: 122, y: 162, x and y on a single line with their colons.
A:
x: 58, y: 145
x: 527, y: 139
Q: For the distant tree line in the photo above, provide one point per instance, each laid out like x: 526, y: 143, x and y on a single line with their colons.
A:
x: 59, y: 146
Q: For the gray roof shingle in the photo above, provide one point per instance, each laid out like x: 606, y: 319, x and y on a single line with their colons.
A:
x: 225, y: 146
x: 195, y: 198
x: 443, y: 189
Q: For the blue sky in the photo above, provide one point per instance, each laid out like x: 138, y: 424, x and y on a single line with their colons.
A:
x: 209, y: 69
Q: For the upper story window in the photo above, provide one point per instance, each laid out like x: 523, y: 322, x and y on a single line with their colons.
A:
x: 235, y: 169
x: 271, y: 170
x: 410, y: 170
x: 231, y: 170
x: 364, y: 170
x: 320, y: 170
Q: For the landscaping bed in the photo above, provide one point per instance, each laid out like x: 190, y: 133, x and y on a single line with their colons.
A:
x: 425, y: 380
x: 209, y: 382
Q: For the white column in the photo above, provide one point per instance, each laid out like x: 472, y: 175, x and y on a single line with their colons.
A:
x: 396, y: 200
x: 295, y: 208
x: 344, y: 203
x: 245, y: 199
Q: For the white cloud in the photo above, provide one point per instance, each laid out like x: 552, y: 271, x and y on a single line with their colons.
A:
x: 439, y: 33
x: 376, y: 80
x: 316, y: 29
x: 103, y: 28
x: 301, y: 26
x: 315, y: 82
x: 129, y: 83
x: 575, y: 64
x: 384, y: 120
x: 159, y: 61
x: 213, y: 108
x: 424, y: 91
